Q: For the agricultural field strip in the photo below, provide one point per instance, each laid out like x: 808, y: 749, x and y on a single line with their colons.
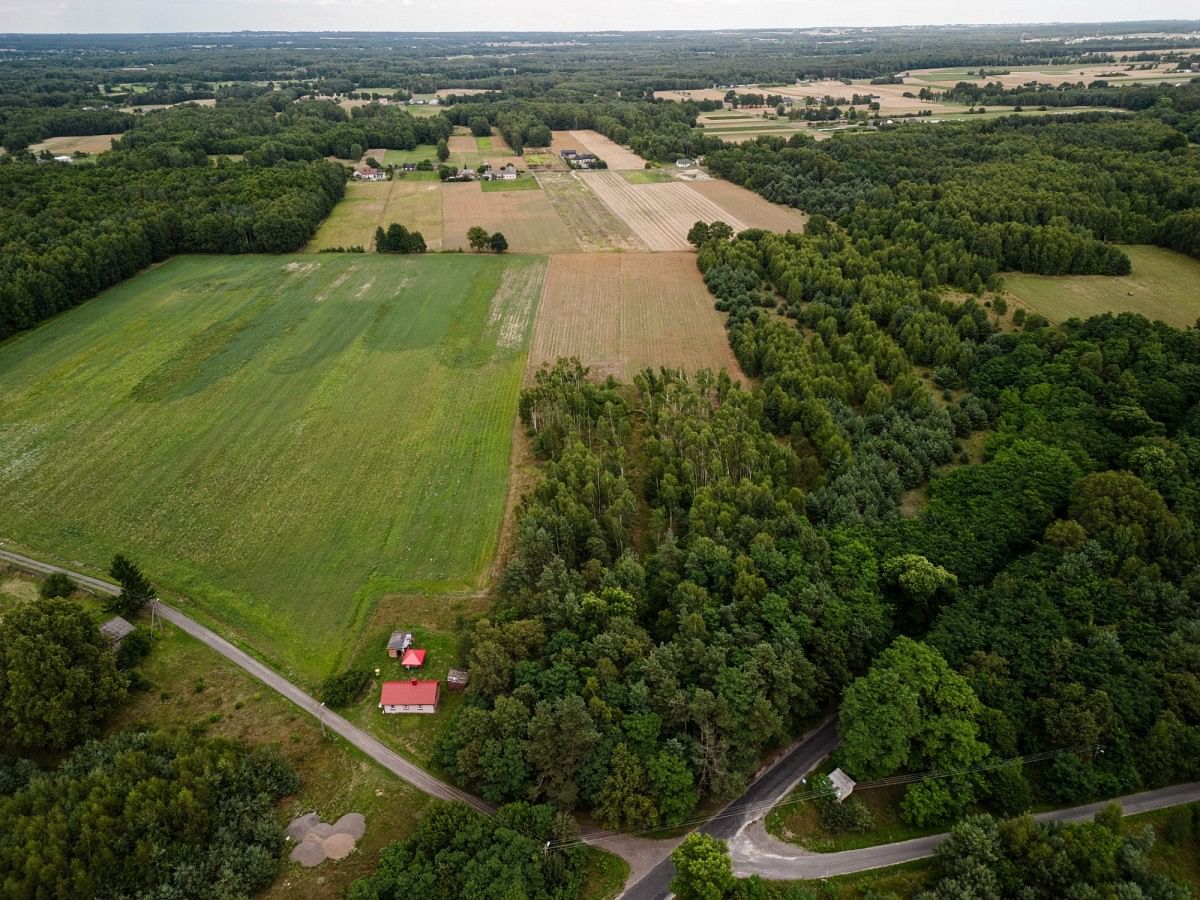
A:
x: 659, y: 214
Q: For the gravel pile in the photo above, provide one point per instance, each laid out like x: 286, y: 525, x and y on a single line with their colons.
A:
x: 317, y: 841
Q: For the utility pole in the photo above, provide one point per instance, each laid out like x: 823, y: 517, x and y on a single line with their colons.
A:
x: 321, y: 716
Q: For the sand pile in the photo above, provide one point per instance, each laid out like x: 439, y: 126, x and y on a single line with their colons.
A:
x: 317, y: 841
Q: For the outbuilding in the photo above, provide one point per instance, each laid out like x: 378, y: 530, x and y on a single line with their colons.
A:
x: 116, y: 630
x: 409, y: 696
x: 457, y: 679
x: 398, y: 643
x: 413, y: 658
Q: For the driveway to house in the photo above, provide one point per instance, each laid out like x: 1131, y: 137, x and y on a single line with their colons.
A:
x: 389, y: 759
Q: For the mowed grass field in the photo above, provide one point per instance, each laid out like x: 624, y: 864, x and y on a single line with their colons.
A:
x: 367, y: 205
x: 1163, y: 285
x: 278, y: 440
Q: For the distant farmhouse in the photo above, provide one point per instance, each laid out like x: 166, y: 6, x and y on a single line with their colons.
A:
x: 369, y: 173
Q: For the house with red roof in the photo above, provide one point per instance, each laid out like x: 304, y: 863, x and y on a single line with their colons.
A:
x: 412, y: 696
x: 413, y: 658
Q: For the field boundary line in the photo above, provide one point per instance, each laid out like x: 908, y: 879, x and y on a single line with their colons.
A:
x: 368, y: 744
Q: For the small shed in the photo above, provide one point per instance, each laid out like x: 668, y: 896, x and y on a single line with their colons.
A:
x: 116, y: 630
x: 456, y: 679
x: 684, y: 163
x: 409, y: 696
x: 398, y: 643
x: 843, y: 784
x: 413, y: 658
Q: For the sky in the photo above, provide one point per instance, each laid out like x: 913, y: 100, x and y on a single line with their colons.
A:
x: 57, y: 16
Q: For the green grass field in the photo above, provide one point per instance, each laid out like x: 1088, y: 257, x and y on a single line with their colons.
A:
x: 279, y: 440
x: 415, y: 155
x: 647, y: 176
x: 483, y: 143
x: 520, y: 183
x: 1162, y: 286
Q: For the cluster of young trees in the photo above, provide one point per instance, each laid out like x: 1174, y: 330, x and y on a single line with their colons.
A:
x: 454, y: 853
x: 144, y: 814
x: 988, y: 860
x: 398, y: 239
x: 479, y: 240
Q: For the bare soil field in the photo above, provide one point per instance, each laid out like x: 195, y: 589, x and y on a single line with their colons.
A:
x: 368, y: 205
x: 593, y: 224
x: 749, y: 207
x: 611, y: 152
x: 623, y: 312
x: 527, y: 218
x: 659, y: 214
x: 462, y: 143
x: 65, y: 146
x: 500, y: 145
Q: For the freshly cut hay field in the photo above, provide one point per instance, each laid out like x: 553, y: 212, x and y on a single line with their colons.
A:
x: 700, y: 94
x: 659, y: 214
x: 65, y: 146
x: 614, y: 154
x: 1163, y: 285
x: 753, y: 209
x: 368, y: 205
x: 281, y: 440
x: 584, y: 215
x: 526, y: 218
x: 623, y: 312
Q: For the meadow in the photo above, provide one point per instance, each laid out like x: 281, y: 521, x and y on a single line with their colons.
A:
x: 413, y: 201
x: 1162, y: 286
x: 278, y: 440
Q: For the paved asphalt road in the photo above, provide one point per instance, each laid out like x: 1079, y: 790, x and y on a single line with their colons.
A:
x: 764, y: 792
x: 386, y: 757
x: 757, y: 853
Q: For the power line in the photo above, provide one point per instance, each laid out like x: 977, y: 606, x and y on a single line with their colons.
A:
x: 735, y: 809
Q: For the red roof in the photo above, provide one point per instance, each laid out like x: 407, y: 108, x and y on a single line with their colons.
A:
x: 413, y: 658
x: 409, y: 693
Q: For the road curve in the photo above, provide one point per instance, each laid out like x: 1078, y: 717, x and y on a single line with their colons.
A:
x: 755, y: 852
x: 389, y: 759
x: 764, y: 792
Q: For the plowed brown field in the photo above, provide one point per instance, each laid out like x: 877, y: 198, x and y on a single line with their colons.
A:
x: 659, y: 214
x: 623, y: 312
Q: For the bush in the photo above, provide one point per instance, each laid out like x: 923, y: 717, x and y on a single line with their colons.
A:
x: 341, y: 690
x: 57, y: 584
x: 134, y: 648
x: 849, y: 815
x: 1000, y: 305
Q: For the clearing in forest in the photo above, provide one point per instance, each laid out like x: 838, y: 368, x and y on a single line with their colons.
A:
x: 1162, y: 286
x: 659, y: 214
x: 281, y: 440
x: 65, y: 146
x: 368, y: 205
x: 617, y: 157
x: 582, y: 213
x: 526, y: 218
x: 623, y: 312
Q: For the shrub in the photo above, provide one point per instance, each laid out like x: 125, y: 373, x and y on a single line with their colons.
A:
x: 341, y: 690
x: 57, y: 584
x: 134, y: 648
x: 849, y: 815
